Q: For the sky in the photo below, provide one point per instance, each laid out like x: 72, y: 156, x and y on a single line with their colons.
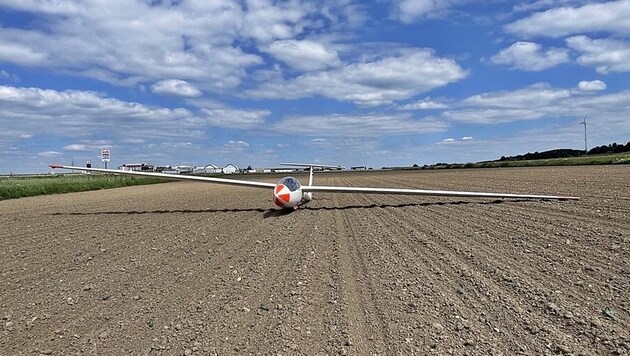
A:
x: 259, y: 82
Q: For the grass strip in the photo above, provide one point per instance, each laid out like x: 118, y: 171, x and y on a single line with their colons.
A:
x: 20, y: 187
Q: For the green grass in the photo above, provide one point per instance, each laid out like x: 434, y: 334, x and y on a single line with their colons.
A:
x: 616, y: 158
x: 19, y: 187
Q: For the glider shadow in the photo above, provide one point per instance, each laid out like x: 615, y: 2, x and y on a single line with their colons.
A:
x: 273, y: 213
x: 406, y: 205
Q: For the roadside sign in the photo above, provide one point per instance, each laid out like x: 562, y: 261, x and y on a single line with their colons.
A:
x: 105, y: 155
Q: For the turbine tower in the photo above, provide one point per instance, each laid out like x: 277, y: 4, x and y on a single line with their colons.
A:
x: 585, y: 145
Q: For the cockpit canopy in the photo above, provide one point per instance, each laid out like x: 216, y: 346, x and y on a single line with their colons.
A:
x: 291, y: 183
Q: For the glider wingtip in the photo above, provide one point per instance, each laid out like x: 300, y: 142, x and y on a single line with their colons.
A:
x: 53, y: 166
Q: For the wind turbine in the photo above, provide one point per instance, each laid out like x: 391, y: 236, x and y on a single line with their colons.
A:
x: 585, y: 145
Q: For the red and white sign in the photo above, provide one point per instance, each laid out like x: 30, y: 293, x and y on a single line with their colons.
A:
x: 105, y: 155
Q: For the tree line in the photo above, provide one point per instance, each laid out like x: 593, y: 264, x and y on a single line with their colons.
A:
x: 565, y: 152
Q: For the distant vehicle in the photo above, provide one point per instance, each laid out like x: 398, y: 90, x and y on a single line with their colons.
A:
x: 288, y: 193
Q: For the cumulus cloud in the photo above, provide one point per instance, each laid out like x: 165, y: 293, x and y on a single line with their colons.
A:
x: 382, y: 80
x: 266, y: 20
x: 592, y: 85
x: 175, y: 87
x: 192, y: 41
x: 605, y: 55
x: 530, y: 103
x: 72, y: 113
x: 541, y: 101
x: 304, y: 55
x: 611, y: 16
x: 529, y: 56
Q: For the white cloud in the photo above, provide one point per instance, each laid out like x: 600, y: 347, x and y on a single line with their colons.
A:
x: 492, y: 116
x: 536, y: 95
x: 175, y: 87
x: 89, y: 146
x: 606, y: 55
x: 266, y: 20
x: 408, y: 11
x: 192, y: 41
x: 77, y: 147
x: 424, y: 104
x: 609, y: 112
x: 234, y: 146
x: 83, y: 114
x: 541, y: 4
x: 235, y: 118
x: 451, y: 141
x: 380, y: 81
x: 357, y: 125
x: 50, y: 154
x: 529, y: 56
x: 304, y: 55
x: 592, y: 85
x: 611, y: 16
x: 233, y: 143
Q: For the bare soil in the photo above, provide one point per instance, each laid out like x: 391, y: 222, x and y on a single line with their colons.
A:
x: 199, y: 269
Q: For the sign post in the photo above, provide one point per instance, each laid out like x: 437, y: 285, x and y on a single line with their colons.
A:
x: 105, y: 156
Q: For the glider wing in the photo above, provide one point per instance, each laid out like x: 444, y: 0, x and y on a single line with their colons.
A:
x: 172, y: 176
x: 447, y: 193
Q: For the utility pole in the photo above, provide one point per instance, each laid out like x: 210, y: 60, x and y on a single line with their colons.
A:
x: 585, y: 145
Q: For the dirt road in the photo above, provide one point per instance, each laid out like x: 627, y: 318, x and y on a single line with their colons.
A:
x: 197, y: 269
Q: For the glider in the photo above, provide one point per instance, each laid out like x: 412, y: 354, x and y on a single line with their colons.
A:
x: 288, y: 193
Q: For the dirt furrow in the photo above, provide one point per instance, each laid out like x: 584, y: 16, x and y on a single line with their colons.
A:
x: 194, y: 269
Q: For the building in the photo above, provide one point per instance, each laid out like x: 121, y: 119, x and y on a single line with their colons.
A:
x: 138, y: 167
x: 231, y: 169
x: 182, y: 169
x: 211, y: 168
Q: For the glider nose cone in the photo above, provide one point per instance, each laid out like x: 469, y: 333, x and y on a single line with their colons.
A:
x: 281, y: 195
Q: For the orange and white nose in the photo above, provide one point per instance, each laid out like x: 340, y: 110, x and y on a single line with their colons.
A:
x: 281, y: 196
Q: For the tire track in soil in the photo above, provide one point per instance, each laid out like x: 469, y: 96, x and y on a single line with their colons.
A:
x: 363, y: 332
x: 429, y: 287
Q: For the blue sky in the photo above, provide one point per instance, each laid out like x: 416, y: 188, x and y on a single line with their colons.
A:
x: 258, y: 82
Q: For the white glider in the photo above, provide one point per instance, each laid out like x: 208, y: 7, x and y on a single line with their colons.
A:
x: 288, y: 193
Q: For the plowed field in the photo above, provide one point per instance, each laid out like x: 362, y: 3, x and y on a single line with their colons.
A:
x: 191, y: 268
